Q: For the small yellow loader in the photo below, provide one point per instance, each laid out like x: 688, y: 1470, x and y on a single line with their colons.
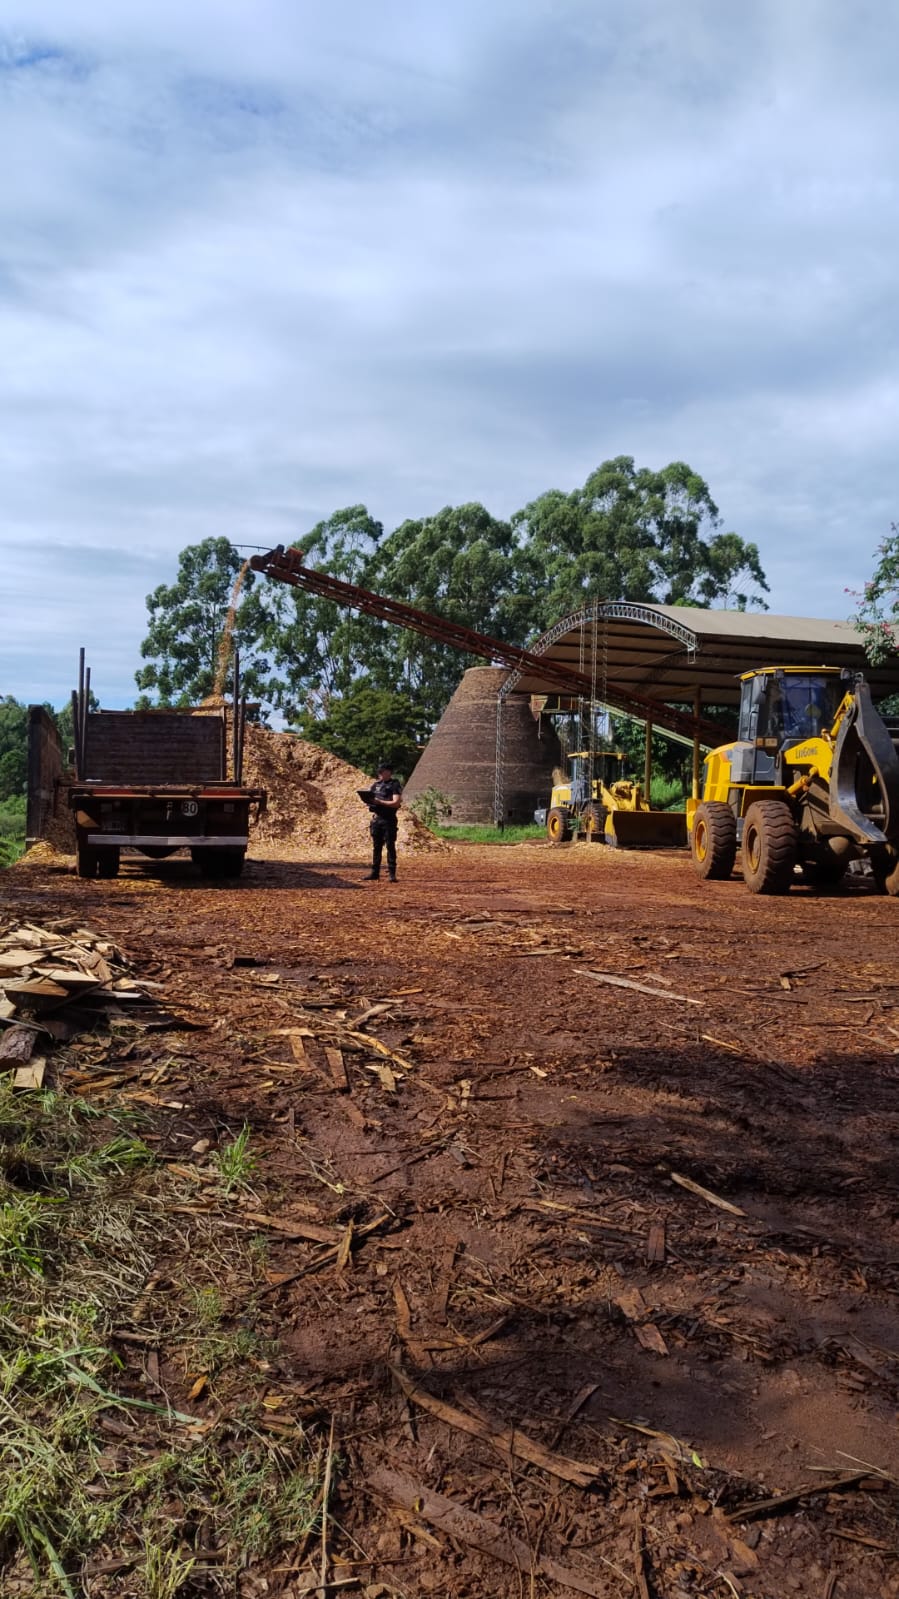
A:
x: 607, y: 808
x: 811, y: 782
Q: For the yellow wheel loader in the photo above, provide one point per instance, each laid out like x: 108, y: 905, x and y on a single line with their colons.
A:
x: 811, y: 782
x: 606, y: 808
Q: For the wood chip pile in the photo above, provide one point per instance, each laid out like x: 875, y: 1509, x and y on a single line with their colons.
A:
x: 55, y: 981
x: 313, y: 806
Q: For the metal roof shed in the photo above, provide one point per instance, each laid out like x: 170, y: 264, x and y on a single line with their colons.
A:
x: 664, y: 655
x: 672, y: 653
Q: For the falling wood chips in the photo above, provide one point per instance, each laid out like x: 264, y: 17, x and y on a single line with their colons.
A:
x: 641, y: 988
x: 457, y: 1522
x: 508, y: 1441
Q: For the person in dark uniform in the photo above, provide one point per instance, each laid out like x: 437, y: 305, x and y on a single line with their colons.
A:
x: 386, y: 799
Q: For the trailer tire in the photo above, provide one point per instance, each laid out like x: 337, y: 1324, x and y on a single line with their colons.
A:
x: 108, y: 858
x: 769, y: 848
x: 558, y: 826
x: 220, y: 862
x: 88, y: 864
x: 713, y: 842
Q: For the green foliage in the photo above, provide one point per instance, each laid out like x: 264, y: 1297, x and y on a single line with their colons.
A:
x: 367, y: 725
x: 431, y: 807
x: 316, y: 646
x: 12, y: 829
x: 635, y: 534
x: 877, y: 607
x: 187, y: 624
x: 482, y: 833
x: 462, y: 564
x: 236, y: 1162
x: 13, y: 747
x: 629, y: 533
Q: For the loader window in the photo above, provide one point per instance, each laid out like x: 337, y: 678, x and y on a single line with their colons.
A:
x: 752, y: 696
x: 801, y: 706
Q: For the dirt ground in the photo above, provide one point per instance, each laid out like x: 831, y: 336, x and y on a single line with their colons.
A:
x: 534, y: 1263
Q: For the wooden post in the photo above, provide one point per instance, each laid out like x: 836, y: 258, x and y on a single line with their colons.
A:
x: 697, y: 759
x: 647, y: 763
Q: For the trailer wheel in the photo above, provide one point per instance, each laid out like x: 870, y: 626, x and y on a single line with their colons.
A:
x: 219, y: 862
x: 714, y: 840
x: 769, y: 848
x: 108, y: 857
x: 88, y: 863
x: 557, y: 825
x: 594, y: 822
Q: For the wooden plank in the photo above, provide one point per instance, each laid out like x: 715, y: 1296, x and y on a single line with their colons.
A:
x: 706, y: 1194
x: 32, y: 1075
x: 337, y: 1068
x: 508, y: 1440
x: 463, y: 1525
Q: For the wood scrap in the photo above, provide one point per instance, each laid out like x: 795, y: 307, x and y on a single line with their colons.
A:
x: 639, y: 1560
x: 641, y: 988
x: 457, y: 1522
x: 442, y: 1287
x: 337, y: 1068
x: 31, y: 1075
x: 656, y: 1244
x: 577, y: 1404
x: 416, y: 1348
x: 706, y: 1194
x: 509, y: 1441
x: 755, y: 1510
x: 17, y: 1045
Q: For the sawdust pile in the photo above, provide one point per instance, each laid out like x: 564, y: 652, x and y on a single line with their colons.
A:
x: 313, y: 806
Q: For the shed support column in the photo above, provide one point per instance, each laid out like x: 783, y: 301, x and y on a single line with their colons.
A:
x: 647, y: 762
x: 697, y: 756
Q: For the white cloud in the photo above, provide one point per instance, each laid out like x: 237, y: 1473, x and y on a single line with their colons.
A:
x: 258, y: 264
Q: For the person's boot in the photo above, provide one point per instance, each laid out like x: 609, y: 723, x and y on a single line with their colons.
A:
x: 371, y: 877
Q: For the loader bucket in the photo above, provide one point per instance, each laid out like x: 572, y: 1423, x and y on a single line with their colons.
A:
x: 864, y: 787
x: 646, y: 829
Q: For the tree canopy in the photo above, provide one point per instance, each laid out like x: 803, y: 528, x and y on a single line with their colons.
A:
x: 877, y: 607
x: 628, y: 533
x: 635, y: 534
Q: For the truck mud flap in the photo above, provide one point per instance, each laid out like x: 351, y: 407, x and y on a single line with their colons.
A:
x: 647, y: 829
x: 864, y: 787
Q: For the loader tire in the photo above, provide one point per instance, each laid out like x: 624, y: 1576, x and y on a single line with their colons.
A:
x: 557, y: 826
x: 714, y: 840
x: 594, y: 823
x: 769, y: 848
x: 885, y: 870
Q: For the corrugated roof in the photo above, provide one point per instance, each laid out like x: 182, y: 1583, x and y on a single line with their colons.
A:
x: 664, y: 653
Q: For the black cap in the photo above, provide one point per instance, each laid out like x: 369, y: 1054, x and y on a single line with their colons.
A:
x: 385, y: 766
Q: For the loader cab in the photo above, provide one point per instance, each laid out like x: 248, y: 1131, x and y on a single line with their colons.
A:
x: 607, y: 767
x: 781, y: 704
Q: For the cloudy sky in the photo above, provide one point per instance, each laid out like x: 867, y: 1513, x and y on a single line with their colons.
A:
x: 260, y: 261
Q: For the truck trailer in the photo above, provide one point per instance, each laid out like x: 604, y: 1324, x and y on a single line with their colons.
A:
x: 158, y: 781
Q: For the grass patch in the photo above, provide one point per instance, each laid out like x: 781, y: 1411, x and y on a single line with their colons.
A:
x: 482, y: 834
x: 104, y: 1456
x: 236, y: 1163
